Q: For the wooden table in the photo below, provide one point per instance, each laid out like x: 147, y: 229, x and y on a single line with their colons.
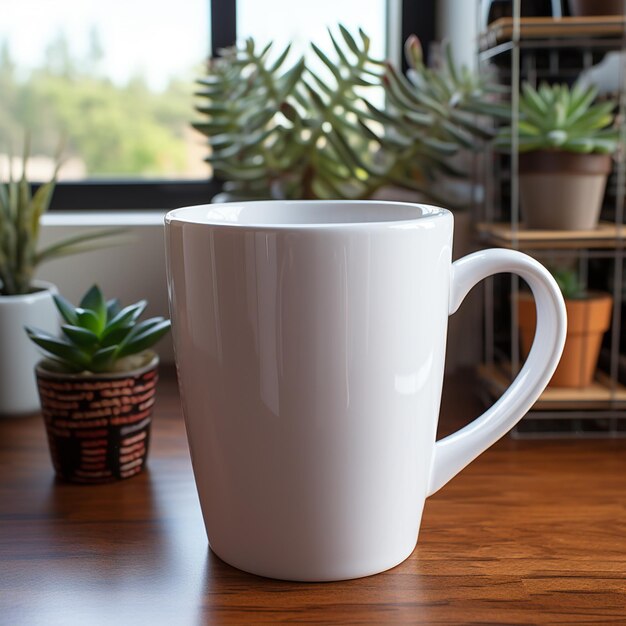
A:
x: 532, y: 532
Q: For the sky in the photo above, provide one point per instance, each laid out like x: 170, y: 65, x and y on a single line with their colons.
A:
x: 165, y: 38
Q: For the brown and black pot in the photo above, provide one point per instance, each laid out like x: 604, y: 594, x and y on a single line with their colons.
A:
x: 587, y: 321
x: 562, y: 190
x: 98, y: 425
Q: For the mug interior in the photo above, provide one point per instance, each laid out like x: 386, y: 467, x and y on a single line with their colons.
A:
x: 274, y: 214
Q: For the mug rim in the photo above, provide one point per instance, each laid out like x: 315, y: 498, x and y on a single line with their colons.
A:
x: 192, y: 215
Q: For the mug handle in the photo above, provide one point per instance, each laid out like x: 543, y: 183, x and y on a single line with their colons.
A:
x: 454, y: 452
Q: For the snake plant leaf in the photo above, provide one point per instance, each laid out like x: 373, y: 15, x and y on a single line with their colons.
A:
x: 69, y: 245
x: 20, y: 215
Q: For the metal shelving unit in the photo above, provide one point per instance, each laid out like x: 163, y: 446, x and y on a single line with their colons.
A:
x: 556, y: 50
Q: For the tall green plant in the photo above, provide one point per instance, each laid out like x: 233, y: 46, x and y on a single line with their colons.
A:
x: 20, y: 215
x: 296, y: 133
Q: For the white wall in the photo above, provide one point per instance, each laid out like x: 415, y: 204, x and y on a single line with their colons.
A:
x: 457, y: 23
x: 129, y: 272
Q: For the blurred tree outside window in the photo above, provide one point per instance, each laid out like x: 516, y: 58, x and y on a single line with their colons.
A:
x: 114, y: 79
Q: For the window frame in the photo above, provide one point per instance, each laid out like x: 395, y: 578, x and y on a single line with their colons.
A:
x: 138, y: 194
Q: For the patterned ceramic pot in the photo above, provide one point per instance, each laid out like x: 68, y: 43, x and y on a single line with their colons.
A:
x: 98, y: 425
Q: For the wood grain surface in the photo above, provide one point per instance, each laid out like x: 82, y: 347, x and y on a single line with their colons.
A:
x: 530, y: 533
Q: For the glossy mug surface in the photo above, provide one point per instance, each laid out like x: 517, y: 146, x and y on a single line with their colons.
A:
x: 310, y: 341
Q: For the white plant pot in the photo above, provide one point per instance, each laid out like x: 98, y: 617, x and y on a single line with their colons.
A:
x: 18, y: 354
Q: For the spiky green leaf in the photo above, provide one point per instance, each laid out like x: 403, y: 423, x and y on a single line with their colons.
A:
x: 66, y: 309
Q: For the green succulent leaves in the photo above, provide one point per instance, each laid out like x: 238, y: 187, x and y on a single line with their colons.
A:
x: 555, y: 117
x: 98, y: 333
x: 20, y: 214
x: 569, y: 283
x: 285, y: 131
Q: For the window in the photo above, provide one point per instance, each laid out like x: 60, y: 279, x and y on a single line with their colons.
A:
x: 116, y: 78
x: 310, y: 22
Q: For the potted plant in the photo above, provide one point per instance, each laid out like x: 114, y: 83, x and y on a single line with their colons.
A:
x: 97, y: 386
x: 296, y: 133
x: 565, y: 144
x: 24, y: 300
x: 588, y: 318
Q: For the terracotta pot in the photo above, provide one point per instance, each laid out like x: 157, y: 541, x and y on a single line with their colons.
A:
x: 579, y: 8
x: 98, y: 425
x: 562, y: 190
x: 587, y: 321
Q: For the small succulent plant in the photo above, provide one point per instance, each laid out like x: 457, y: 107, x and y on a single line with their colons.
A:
x: 570, y: 284
x: 555, y: 117
x: 298, y: 133
x: 20, y: 214
x: 99, y: 335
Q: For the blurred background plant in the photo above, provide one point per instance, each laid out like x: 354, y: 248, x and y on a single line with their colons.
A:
x: 20, y: 215
x: 298, y: 133
x: 555, y: 117
x: 570, y: 283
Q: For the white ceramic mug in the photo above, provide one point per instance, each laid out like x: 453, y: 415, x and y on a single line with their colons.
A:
x: 310, y: 340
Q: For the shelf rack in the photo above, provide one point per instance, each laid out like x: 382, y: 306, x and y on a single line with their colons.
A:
x: 553, y: 49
